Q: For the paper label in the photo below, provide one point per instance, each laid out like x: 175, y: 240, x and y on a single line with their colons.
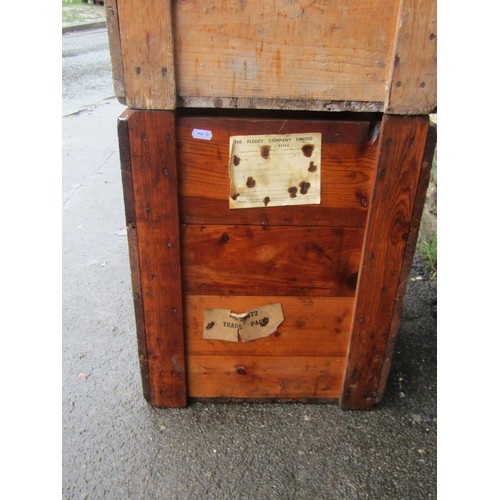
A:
x: 224, y: 324
x: 197, y: 133
x: 275, y: 170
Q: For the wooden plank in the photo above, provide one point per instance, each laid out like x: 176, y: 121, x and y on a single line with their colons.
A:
x: 402, y: 142
x: 287, y: 378
x: 295, y: 50
x: 281, y: 104
x: 154, y: 175
x: 128, y: 197
x: 312, y: 327
x: 347, y: 170
x: 270, y: 260
x: 126, y: 167
x: 411, y: 244
x: 413, y: 88
x: 115, y: 48
x: 148, y: 53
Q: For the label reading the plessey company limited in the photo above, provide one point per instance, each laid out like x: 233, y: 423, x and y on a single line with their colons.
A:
x: 275, y: 170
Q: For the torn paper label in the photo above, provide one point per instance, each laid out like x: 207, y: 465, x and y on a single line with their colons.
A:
x: 275, y: 170
x: 225, y: 324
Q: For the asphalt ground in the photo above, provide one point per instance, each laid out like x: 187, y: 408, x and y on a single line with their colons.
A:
x: 114, y: 445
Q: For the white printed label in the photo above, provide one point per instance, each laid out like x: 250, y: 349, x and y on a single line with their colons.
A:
x: 206, y: 135
x: 275, y: 170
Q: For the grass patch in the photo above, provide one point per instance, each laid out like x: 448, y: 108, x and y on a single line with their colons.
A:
x: 78, y: 12
x: 428, y: 252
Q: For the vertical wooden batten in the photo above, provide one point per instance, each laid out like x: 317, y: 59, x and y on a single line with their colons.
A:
x: 115, y: 49
x: 401, y: 149
x: 135, y: 270
x: 147, y: 46
x: 418, y: 207
x: 412, y: 86
x: 154, y: 178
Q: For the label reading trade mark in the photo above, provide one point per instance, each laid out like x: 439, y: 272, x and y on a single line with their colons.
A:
x: 198, y: 133
x: 224, y: 324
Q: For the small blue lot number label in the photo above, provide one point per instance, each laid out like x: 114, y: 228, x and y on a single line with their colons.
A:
x: 197, y: 133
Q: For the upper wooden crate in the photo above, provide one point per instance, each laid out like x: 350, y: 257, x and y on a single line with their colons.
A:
x: 322, y: 55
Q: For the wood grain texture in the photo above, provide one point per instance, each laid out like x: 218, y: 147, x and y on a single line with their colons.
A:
x: 133, y: 250
x: 294, y: 50
x: 347, y: 170
x: 270, y: 260
x: 413, y: 88
x: 402, y: 142
x: 281, y: 104
x: 359, y: 55
x: 312, y: 327
x: 287, y: 377
x: 146, y: 37
x: 153, y: 166
x: 411, y: 244
x: 115, y: 48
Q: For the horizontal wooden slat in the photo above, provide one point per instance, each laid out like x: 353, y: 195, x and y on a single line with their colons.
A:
x: 347, y: 166
x: 269, y: 260
x: 264, y: 377
x: 312, y: 327
x: 282, y: 49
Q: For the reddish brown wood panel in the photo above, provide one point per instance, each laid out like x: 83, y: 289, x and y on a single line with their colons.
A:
x: 418, y: 206
x: 402, y: 142
x: 128, y: 197
x: 154, y: 174
x: 347, y: 169
x: 270, y: 260
x: 318, y: 326
x: 262, y: 377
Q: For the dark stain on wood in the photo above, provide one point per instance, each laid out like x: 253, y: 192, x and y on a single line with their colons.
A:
x: 300, y: 323
x: 224, y: 238
x: 361, y: 197
x: 352, y: 281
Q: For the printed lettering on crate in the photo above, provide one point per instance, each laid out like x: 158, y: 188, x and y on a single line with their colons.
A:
x: 275, y: 170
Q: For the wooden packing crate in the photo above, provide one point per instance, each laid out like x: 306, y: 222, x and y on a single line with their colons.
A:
x: 323, y: 55
x: 339, y: 268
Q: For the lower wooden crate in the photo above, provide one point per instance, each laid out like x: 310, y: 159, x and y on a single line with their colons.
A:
x: 338, y: 268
